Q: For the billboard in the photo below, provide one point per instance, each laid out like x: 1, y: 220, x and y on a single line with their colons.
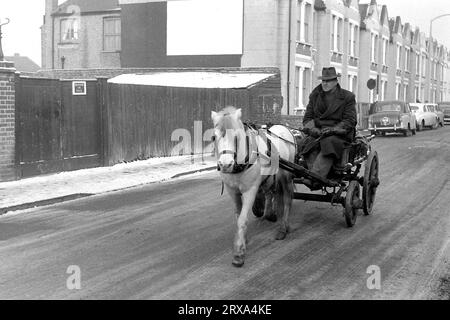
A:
x: 204, y: 27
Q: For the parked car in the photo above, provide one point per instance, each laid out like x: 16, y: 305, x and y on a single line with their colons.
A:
x: 425, y: 117
x: 445, y: 107
x: 392, y: 117
x: 439, y: 114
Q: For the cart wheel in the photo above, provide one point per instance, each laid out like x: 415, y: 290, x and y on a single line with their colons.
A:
x: 370, y: 183
x: 258, y: 205
x: 352, y: 203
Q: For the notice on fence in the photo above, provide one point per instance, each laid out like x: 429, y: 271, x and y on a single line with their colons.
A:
x: 79, y: 88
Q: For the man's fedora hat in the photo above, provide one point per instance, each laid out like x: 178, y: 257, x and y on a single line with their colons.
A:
x: 329, y: 74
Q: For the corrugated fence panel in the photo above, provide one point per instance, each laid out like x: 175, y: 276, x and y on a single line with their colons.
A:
x: 143, y: 118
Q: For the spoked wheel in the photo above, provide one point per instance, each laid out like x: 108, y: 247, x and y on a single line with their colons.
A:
x: 371, y: 182
x: 258, y: 205
x: 352, y: 203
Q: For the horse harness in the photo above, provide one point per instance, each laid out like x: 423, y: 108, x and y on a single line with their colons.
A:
x: 241, y: 167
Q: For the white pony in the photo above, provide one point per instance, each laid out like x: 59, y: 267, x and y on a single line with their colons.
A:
x: 248, y: 164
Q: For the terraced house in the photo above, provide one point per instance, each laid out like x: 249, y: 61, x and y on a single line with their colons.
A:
x: 297, y: 36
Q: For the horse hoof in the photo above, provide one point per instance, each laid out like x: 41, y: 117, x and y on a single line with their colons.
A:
x: 238, y: 261
x: 280, y: 235
x: 271, y: 218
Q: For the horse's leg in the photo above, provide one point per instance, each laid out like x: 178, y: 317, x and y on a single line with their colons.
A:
x: 269, y: 211
x: 286, y: 194
x: 240, y: 240
x: 237, y: 200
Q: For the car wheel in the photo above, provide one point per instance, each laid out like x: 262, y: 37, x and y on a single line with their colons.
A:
x: 407, y: 133
x: 419, y: 126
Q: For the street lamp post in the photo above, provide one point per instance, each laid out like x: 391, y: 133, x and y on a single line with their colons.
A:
x: 2, y: 57
x: 430, y: 46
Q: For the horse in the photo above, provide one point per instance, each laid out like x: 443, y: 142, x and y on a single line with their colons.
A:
x: 248, y: 164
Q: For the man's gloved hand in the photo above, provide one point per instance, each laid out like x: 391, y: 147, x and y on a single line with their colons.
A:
x: 334, y: 131
x: 315, y: 132
x: 340, y: 131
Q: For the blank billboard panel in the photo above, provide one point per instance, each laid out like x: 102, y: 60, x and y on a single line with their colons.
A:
x: 204, y: 27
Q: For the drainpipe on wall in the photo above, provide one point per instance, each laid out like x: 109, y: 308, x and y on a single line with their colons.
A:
x: 289, y: 60
x: 53, y: 42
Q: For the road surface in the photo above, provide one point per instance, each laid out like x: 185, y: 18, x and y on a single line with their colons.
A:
x: 173, y: 240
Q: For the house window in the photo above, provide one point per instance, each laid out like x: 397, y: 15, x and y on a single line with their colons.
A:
x: 111, y: 34
x: 398, y: 91
x: 306, y: 22
x: 303, y: 21
x: 424, y: 59
x: 339, y: 35
x: 373, y: 51
x: 385, y: 51
x: 383, y: 90
x: 306, y: 85
x: 351, y: 39
x: 297, y: 87
x: 333, y: 33
x: 70, y: 29
x: 299, y: 21
x: 399, y: 52
x: 407, y: 57
x: 336, y: 34
x: 417, y: 64
x: 355, y: 35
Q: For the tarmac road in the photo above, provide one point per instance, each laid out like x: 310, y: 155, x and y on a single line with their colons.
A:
x: 173, y: 240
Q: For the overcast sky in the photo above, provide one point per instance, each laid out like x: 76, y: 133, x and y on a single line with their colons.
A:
x: 23, y: 34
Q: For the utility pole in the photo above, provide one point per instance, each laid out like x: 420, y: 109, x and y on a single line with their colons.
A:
x: 430, y: 47
x: 2, y: 57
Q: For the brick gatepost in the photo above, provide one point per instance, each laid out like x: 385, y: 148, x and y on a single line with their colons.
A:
x: 7, y: 121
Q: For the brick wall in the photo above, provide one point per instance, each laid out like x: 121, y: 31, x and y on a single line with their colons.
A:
x: 7, y: 122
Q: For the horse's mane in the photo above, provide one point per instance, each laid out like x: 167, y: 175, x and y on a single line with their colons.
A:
x: 226, y: 121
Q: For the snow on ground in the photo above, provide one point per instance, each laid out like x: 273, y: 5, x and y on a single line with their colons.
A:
x: 98, y: 180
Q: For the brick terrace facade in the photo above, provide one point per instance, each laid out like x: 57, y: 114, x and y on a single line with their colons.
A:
x: 7, y: 121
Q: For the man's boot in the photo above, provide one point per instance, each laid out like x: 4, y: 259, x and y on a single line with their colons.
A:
x: 322, y: 166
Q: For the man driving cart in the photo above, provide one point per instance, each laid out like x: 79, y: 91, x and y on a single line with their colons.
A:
x: 329, y: 122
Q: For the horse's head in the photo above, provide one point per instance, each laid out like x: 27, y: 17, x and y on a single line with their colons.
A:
x: 229, y: 137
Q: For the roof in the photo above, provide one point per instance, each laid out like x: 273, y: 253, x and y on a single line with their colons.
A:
x: 200, y: 79
x: 22, y: 63
x: 89, y: 5
x: 384, y: 15
x: 363, y: 11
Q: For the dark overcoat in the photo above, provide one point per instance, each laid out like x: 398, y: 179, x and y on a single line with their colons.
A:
x: 340, y: 114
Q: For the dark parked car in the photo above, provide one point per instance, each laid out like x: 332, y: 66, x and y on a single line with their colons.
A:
x: 391, y: 117
x: 445, y: 108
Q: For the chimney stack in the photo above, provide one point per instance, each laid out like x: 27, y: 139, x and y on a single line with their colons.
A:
x: 47, y: 34
x: 50, y: 6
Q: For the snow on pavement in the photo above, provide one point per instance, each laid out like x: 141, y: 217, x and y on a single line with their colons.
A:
x: 98, y: 180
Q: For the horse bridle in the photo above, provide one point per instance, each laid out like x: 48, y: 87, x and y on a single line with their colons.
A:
x: 238, y: 167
